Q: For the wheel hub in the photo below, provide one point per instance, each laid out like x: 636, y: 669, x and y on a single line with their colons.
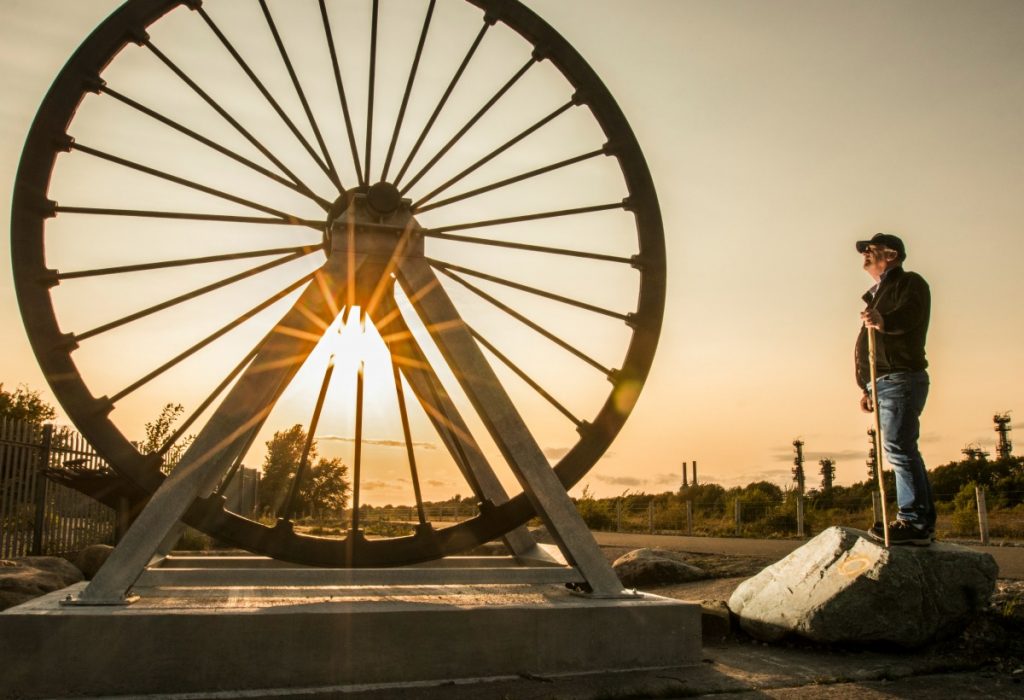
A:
x: 370, y: 230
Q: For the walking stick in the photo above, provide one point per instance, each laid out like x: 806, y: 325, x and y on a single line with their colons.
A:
x: 879, y: 459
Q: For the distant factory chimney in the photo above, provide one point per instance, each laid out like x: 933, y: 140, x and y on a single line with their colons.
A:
x: 694, y: 472
x: 684, y: 476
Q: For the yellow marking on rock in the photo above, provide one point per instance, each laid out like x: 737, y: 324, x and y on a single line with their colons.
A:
x: 854, y: 566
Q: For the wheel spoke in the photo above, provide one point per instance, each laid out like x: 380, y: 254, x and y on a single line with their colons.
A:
x: 224, y: 114
x: 300, y: 473
x: 471, y: 123
x: 531, y: 248
x: 212, y: 337
x: 370, y: 89
x: 408, y: 88
x: 444, y: 99
x: 181, y: 181
x: 191, y: 295
x: 509, y: 181
x: 357, y: 458
x: 284, y: 347
x: 407, y: 354
x: 235, y: 466
x: 525, y: 288
x: 529, y: 217
x: 495, y: 153
x: 524, y: 376
x: 258, y: 84
x: 527, y: 322
x: 407, y: 433
x: 341, y: 94
x: 149, y: 214
x: 329, y: 167
x: 324, y: 204
x: 187, y: 423
x: 185, y: 261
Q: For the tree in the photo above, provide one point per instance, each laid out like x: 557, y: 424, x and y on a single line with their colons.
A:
x: 325, y: 487
x: 160, y: 430
x: 706, y: 497
x: 762, y: 493
x: 828, y: 473
x: 25, y: 404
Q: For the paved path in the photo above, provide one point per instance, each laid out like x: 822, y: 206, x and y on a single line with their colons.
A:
x: 734, y: 672
x: 1009, y: 559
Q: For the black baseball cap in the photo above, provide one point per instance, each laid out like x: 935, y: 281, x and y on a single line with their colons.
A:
x: 885, y: 239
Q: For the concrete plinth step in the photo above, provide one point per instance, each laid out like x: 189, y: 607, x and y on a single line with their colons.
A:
x: 186, y: 639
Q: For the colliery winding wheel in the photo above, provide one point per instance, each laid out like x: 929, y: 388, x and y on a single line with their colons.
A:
x: 210, y: 188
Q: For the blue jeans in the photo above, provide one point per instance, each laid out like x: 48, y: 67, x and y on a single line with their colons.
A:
x: 901, y: 398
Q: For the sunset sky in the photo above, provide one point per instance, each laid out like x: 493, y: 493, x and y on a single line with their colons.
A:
x: 778, y: 134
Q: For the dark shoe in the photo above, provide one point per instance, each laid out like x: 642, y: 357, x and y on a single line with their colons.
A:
x: 903, y: 532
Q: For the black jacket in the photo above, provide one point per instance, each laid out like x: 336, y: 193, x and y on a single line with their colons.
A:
x: 904, y: 300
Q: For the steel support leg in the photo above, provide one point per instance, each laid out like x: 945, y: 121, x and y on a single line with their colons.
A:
x: 210, y: 455
x: 451, y: 427
x: 506, y: 426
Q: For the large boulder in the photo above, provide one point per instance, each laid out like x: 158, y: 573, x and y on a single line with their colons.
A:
x: 655, y: 567
x: 843, y: 587
x: 90, y: 559
x: 25, y: 578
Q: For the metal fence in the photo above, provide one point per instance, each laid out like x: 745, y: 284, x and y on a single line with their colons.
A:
x: 38, y: 516
x: 800, y: 517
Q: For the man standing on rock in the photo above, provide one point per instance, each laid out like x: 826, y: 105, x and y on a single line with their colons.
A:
x: 898, y: 307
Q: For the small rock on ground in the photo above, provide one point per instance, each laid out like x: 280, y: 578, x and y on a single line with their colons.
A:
x: 90, y: 559
x: 655, y: 567
x: 25, y: 578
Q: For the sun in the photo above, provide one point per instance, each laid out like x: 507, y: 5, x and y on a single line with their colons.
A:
x: 354, y: 337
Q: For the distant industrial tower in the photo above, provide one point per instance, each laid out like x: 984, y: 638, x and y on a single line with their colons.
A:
x: 1004, y: 446
x: 872, y: 460
x: 685, y: 482
x: 974, y: 453
x: 798, y: 470
x: 828, y: 473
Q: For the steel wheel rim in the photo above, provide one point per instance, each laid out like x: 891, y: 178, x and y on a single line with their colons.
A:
x: 54, y: 348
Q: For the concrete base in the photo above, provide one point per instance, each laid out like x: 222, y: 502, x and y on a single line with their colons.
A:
x: 278, y: 637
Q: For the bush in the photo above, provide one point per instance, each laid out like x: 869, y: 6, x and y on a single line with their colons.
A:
x: 193, y: 540
x: 596, y: 514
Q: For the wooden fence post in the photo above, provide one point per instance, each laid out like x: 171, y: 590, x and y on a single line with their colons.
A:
x: 979, y: 493
x: 739, y: 517
x: 39, y: 479
x: 689, y: 518
x: 800, y: 515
